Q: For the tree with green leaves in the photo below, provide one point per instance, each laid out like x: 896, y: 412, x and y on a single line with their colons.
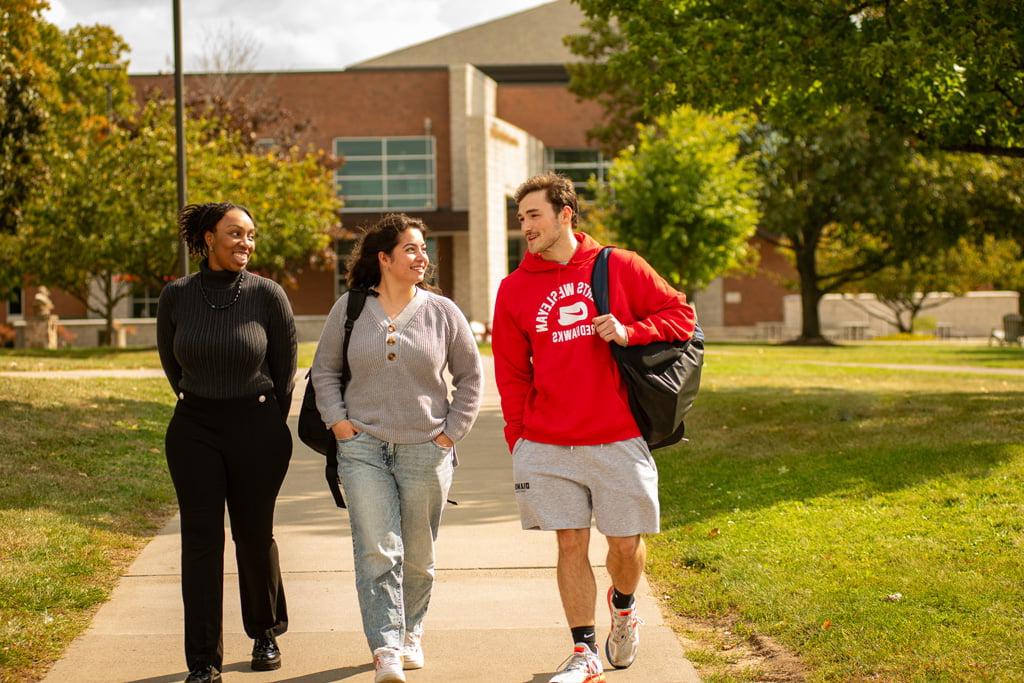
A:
x: 926, y: 279
x: 57, y: 88
x: 26, y: 91
x: 26, y: 85
x: 847, y: 201
x: 106, y: 224
x: 683, y: 196
x: 948, y: 75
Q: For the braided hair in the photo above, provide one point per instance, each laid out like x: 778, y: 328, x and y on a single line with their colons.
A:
x: 195, y: 220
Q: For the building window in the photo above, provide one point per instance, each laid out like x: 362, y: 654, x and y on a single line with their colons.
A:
x: 386, y: 173
x: 435, y: 263
x: 516, y: 251
x: 14, y: 308
x: 265, y: 145
x: 579, y: 165
x: 144, y: 302
x: 342, y: 249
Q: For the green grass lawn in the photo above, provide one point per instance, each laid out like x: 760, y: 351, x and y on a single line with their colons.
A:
x: 78, y: 359
x: 83, y: 487
x: 911, y: 353
x: 13, y: 360
x: 870, y: 521
x: 808, y: 498
x: 103, y: 359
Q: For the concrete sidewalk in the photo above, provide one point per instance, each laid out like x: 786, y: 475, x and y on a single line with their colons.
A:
x: 494, y: 616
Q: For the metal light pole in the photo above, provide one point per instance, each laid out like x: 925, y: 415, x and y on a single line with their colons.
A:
x: 114, y: 66
x: 179, y: 128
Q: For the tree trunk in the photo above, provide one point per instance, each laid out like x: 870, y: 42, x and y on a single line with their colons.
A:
x: 109, y: 306
x: 810, y: 296
x: 909, y: 327
x: 1020, y: 302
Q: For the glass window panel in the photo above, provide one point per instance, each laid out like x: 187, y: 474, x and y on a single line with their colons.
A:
x: 575, y: 156
x: 369, y: 147
x: 409, y: 202
x: 435, y: 270
x: 363, y: 203
x: 578, y: 175
x: 14, y: 303
x: 342, y: 249
x: 350, y: 188
x: 409, y: 166
x: 583, y: 192
x: 361, y: 167
x: 417, y: 146
x: 417, y: 186
x: 516, y: 250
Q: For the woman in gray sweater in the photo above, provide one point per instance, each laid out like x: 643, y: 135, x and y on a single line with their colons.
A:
x: 396, y: 429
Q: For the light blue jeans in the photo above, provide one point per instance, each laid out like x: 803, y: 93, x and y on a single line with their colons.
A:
x: 395, y: 495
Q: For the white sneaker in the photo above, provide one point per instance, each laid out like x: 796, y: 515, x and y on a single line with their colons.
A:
x: 582, y: 666
x: 624, y: 639
x: 412, y: 652
x: 387, y: 662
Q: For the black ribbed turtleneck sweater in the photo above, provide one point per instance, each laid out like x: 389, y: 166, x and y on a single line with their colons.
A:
x: 243, y: 350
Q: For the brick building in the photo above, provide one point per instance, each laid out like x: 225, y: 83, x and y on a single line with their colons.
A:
x: 445, y: 131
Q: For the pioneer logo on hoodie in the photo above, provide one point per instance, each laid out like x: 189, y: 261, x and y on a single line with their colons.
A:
x: 573, y: 317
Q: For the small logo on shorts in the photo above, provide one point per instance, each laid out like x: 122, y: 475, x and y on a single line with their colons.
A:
x: 522, y: 486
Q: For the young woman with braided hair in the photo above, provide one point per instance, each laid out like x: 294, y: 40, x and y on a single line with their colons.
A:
x: 226, y: 339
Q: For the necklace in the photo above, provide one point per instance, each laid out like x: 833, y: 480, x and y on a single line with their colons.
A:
x: 234, y: 299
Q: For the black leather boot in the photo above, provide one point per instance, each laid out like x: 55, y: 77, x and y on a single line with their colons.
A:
x: 266, y: 656
x: 203, y: 674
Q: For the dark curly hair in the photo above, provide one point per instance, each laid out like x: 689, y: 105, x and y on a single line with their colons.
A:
x: 363, y: 266
x: 195, y: 220
x: 559, y: 190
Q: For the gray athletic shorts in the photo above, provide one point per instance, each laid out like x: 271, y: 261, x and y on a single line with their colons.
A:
x: 562, y: 487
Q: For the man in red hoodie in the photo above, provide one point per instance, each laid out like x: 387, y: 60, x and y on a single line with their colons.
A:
x: 577, y: 451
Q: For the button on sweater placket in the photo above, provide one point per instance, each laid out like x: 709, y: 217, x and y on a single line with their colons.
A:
x: 392, y: 342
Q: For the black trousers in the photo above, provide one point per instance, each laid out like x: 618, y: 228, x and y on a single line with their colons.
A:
x: 236, y: 452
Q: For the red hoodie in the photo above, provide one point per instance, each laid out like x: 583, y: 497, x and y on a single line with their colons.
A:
x: 558, y: 381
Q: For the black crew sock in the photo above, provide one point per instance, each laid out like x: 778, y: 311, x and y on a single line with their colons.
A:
x: 587, y: 635
x: 620, y: 601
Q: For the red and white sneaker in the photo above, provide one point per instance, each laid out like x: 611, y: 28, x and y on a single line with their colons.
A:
x: 582, y: 666
x: 624, y: 639
x: 412, y: 652
x: 387, y: 664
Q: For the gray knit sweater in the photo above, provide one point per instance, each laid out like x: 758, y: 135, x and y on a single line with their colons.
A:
x: 243, y: 350
x: 397, y: 392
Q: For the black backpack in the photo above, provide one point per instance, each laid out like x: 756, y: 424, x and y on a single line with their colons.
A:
x: 662, y: 378
x: 312, y: 430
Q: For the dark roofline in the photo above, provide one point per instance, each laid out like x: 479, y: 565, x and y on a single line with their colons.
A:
x: 290, y: 72
x: 502, y: 73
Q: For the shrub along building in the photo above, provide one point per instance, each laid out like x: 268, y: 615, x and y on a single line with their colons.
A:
x: 445, y: 131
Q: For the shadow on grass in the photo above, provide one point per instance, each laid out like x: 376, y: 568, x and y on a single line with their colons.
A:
x: 999, y: 354
x: 756, y: 447
x: 95, y: 459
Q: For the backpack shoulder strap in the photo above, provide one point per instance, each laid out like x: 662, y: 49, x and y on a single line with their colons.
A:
x: 356, y: 301
x: 599, y: 281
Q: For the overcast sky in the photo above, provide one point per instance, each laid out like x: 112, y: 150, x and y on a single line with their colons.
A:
x: 291, y: 34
